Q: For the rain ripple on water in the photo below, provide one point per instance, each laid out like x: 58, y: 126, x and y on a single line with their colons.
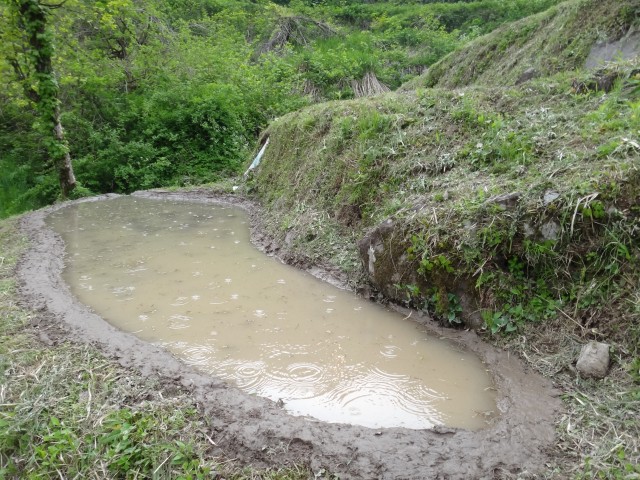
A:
x: 267, y: 328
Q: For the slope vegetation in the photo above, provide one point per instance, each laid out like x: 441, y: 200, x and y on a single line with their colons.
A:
x: 505, y: 204
x: 486, y: 189
x: 163, y: 92
x: 560, y: 39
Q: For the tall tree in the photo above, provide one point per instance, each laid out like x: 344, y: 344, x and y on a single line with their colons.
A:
x: 31, y: 60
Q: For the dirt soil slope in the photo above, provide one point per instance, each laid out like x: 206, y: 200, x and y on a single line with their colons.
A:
x: 256, y: 431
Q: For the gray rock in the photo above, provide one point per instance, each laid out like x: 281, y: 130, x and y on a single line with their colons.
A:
x: 550, y: 196
x: 527, y: 75
x: 528, y: 230
x: 383, y: 252
x: 289, y: 238
x: 594, y: 360
x: 625, y: 48
x: 506, y: 200
x: 550, y: 230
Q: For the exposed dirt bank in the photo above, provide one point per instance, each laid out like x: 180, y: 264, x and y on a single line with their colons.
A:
x: 258, y: 432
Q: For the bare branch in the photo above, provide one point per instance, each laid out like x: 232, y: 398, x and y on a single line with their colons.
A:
x: 298, y: 30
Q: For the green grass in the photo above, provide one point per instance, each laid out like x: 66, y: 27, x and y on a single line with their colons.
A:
x: 556, y: 40
x: 598, y: 434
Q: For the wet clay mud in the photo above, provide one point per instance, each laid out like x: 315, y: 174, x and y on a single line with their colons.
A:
x: 261, y: 432
x: 185, y: 276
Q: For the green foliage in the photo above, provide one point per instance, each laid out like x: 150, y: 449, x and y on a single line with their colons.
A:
x: 31, y: 57
x: 26, y: 179
x: 498, y: 322
x: 334, y: 62
x: 619, y: 467
x: 449, y: 307
x: 634, y: 370
x: 136, y: 115
x: 129, y: 444
x: 439, y: 262
x: 412, y: 292
x: 171, y: 137
x: 175, y: 93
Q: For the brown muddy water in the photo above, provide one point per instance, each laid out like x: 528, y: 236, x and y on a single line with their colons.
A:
x: 186, y: 276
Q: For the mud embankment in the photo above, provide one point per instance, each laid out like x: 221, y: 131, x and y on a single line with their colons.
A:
x: 256, y: 431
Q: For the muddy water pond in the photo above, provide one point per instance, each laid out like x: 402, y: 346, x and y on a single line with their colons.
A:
x: 186, y: 276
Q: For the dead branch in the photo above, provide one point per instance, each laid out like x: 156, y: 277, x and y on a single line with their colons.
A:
x: 368, y: 86
x: 297, y: 30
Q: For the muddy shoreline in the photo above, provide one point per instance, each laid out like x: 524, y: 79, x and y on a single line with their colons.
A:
x: 256, y: 431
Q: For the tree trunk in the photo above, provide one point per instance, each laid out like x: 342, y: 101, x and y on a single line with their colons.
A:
x: 33, y: 17
x: 65, y: 168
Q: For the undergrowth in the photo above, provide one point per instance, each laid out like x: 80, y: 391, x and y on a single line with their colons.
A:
x: 66, y: 411
x: 599, y: 433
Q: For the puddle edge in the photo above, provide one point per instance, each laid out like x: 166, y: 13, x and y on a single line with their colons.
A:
x: 516, y: 441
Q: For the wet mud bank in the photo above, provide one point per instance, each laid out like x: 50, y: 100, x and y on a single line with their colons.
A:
x: 257, y: 431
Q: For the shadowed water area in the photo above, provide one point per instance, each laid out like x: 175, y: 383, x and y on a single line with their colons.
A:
x: 185, y: 276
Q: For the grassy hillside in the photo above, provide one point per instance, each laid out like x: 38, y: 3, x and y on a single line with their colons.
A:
x: 559, y: 39
x: 164, y: 92
x: 512, y: 209
x: 487, y: 186
x: 509, y: 208
x: 504, y: 207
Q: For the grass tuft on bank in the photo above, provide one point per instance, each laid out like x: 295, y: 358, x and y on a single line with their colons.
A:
x: 598, y: 435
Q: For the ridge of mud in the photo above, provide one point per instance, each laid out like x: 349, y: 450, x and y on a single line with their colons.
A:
x: 256, y: 431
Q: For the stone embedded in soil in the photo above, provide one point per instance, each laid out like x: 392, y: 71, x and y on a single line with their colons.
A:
x: 506, y: 201
x: 383, y: 252
x: 594, y: 360
x: 602, y: 52
x: 550, y: 230
x: 549, y: 197
x: 527, y: 75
